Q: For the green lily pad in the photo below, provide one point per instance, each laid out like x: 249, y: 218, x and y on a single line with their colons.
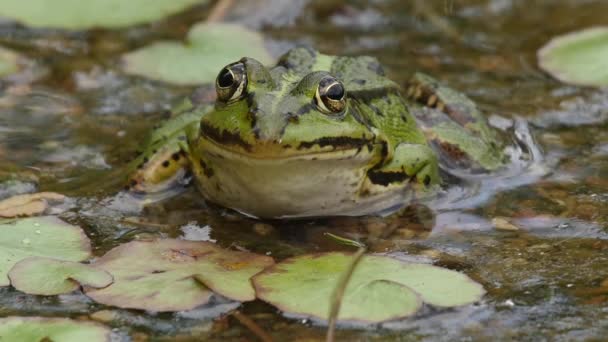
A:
x: 209, y: 47
x: 77, y: 14
x: 37, y: 329
x: 45, y: 276
x: 45, y: 236
x: 380, y: 289
x: 175, y: 275
x: 579, y: 57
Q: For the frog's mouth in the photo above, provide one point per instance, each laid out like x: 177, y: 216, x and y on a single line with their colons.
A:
x: 319, y: 148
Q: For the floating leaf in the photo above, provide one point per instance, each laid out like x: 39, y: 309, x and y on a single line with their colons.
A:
x: 380, y: 289
x: 37, y: 329
x: 45, y: 276
x: 174, y: 275
x: 77, y: 14
x: 210, y: 46
x: 28, y: 204
x: 579, y: 57
x: 45, y: 236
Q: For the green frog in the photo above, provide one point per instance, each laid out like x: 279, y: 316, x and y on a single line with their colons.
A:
x: 317, y: 135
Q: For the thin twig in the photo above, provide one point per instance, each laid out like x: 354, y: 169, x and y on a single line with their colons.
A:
x: 219, y: 10
x: 337, y: 296
x: 252, y: 326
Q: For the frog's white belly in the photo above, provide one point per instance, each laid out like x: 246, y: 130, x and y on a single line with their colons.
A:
x: 305, y: 186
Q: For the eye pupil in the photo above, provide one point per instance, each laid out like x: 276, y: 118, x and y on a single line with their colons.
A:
x: 335, y: 92
x: 225, y: 78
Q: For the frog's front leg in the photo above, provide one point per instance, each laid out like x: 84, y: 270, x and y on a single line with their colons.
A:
x: 413, y: 163
x: 159, y: 167
x: 165, y: 160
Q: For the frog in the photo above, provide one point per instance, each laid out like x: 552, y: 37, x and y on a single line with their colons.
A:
x: 317, y: 135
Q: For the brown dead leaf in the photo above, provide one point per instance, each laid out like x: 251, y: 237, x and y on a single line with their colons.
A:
x: 28, y: 204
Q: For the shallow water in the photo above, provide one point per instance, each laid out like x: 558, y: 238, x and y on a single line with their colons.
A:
x: 83, y: 119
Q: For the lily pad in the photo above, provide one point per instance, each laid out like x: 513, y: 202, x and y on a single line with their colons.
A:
x: 380, y: 289
x: 45, y: 276
x: 77, y: 14
x: 28, y: 204
x: 579, y: 57
x: 209, y: 47
x: 175, y: 275
x: 45, y: 236
x: 37, y: 329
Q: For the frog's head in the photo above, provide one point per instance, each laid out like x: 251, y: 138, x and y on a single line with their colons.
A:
x: 291, y: 110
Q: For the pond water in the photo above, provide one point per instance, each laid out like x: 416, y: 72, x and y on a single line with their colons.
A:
x: 546, y: 272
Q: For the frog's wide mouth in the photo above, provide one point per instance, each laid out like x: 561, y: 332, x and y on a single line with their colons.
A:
x: 320, y: 149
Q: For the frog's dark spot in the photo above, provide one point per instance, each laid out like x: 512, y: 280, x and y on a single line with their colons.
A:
x: 307, y: 108
x: 336, y: 142
x: 403, y: 117
x: 253, y: 121
x: 453, y: 150
x: 294, y: 119
x: 224, y: 136
x: 427, y: 180
x: 206, y: 169
x: 314, y: 158
x: 386, y: 178
x: 154, y: 151
x: 165, y: 163
x: 250, y: 99
x: 158, y: 271
x: 145, y: 160
x: 376, y: 67
x: 175, y: 156
x: 376, y: 110
x: 359, y: 81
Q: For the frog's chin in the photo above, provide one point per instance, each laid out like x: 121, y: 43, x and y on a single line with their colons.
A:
x: 304, y: 185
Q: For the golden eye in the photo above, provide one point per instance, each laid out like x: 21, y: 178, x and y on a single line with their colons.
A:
x: 231, y: 82
x: 331, y: 95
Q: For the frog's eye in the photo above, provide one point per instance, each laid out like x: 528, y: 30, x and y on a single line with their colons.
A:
x: 231, y: 82
x: 330, y: 96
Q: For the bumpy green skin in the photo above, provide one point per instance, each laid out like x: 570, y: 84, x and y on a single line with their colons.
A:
x: 274, y: 153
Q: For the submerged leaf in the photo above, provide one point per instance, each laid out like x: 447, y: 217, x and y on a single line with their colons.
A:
x: 380, y: 289
x: 210, y: 46
x: 28, y: 204
x: 45, y: 236
x: 174, y: 275
x: 579, y: 57
x: 78, y: 14
x: 45, y: 276
x: 37, y: 329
